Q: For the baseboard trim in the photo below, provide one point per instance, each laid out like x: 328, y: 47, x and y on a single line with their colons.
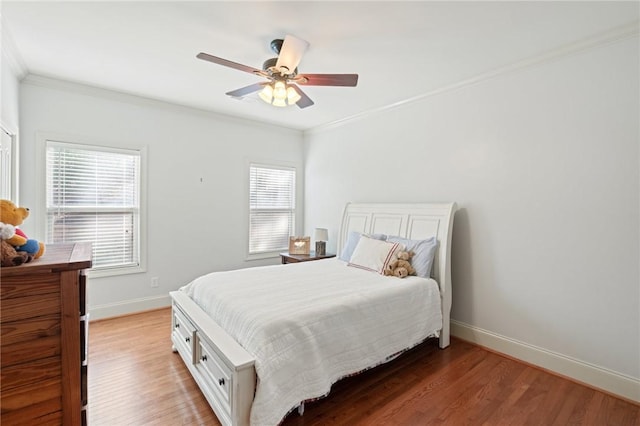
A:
x: 591, y: 375
x: 126, y: 307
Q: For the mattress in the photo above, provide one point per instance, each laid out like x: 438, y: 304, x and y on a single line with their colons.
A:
x: 309, y: 324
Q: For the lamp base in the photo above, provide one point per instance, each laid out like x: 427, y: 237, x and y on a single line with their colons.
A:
x: 321, y: 248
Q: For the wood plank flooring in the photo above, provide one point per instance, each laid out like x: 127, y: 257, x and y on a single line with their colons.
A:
x: 135, y: 379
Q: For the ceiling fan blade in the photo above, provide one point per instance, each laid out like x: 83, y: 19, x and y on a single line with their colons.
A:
x: 290, y: 54
x: 350, y: 80
x: 304, y: 101
x: 227, y: 63
x: 238, y: 93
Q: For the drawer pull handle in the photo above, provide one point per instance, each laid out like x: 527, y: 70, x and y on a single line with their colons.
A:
x: 187, y: 339
x: 221, y: 382
x: 177, y: 325
x: 203, y: 357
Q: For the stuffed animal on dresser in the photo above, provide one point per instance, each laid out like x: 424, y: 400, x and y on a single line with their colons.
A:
x: 8, y: 254
x: 14, y: 215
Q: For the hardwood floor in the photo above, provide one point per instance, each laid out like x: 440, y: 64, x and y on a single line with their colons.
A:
x: 135, y: 379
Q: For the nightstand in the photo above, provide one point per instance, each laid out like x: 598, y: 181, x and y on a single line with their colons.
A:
x: 295, y: 258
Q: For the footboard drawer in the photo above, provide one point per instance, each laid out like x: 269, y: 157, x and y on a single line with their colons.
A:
x: 183, y: 335
x: 215, y: 372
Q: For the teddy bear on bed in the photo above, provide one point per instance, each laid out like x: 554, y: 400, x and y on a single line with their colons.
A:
x: 14, y: 215
x: 400, y: 266
x: 8, y: 254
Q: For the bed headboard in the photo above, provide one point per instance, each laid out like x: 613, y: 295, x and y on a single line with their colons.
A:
x: 416, y: 221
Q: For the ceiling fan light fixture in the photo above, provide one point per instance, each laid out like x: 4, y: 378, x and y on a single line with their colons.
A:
x: 279, y: 94
x: 292, y: 96
x: 279, y: 102
x: 266, y: 94
x: 279, y: 90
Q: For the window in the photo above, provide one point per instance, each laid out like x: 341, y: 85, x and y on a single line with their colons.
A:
x: 272, y: 207
x: 93, y: 194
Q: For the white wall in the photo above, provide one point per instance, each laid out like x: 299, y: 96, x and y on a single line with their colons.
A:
x: 544, y: 164
x: 9, y: 86
x: 11, y: 71
x: 193, y: 226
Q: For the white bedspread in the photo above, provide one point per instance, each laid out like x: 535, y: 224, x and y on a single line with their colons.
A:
x: 310, y: 324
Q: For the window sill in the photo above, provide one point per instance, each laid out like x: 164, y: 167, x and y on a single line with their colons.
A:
x: 103, y: 273
x: 262, y: 256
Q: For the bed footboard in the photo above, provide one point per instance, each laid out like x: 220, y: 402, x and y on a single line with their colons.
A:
x: 223, y: 370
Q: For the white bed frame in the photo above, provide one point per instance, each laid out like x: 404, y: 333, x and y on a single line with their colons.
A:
x: 225, y: 371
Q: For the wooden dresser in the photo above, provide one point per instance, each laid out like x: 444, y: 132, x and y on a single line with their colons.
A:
x: 43, y: 364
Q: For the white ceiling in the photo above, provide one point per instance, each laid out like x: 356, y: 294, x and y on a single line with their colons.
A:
x: 399, y: 49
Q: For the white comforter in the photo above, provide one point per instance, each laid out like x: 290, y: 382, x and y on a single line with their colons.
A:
x: 310, y: 324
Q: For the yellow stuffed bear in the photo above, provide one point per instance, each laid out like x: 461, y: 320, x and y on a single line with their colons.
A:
x: 401, y: 266
x: 14, y: 215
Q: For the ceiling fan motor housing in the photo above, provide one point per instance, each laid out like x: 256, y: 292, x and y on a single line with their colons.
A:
x: 269, y: 63
x: 270, y: 66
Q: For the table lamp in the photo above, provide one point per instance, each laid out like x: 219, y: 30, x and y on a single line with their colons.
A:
x: 321, y: 235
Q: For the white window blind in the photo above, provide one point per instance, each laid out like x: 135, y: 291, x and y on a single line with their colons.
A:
x: 272, y: 207
x: 93, y: 194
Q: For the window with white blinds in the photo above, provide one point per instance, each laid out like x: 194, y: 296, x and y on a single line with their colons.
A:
x: 93, y: 194
x: 272, y: 207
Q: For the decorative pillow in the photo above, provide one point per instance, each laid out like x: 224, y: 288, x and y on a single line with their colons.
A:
x: 373, y: 255
x: 423, y: 253
x: 352, y: 242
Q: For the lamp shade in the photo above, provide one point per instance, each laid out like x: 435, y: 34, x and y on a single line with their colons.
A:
x: 292, y: 96
x: 266, y: 94
x: 321, y: 234
x: 280, y: 94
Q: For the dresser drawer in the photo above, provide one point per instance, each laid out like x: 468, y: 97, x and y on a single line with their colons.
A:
x: 214, y: 371
x: 183, y: 336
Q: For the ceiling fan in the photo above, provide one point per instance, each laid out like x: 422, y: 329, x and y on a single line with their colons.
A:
x: 282, y: 89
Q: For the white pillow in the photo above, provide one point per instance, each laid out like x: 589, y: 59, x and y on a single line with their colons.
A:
x: 352, y: 242
x: 373, y: 255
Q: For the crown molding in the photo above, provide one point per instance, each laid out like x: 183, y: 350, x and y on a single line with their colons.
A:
x: 99, y: 92
x: 613, y: 35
